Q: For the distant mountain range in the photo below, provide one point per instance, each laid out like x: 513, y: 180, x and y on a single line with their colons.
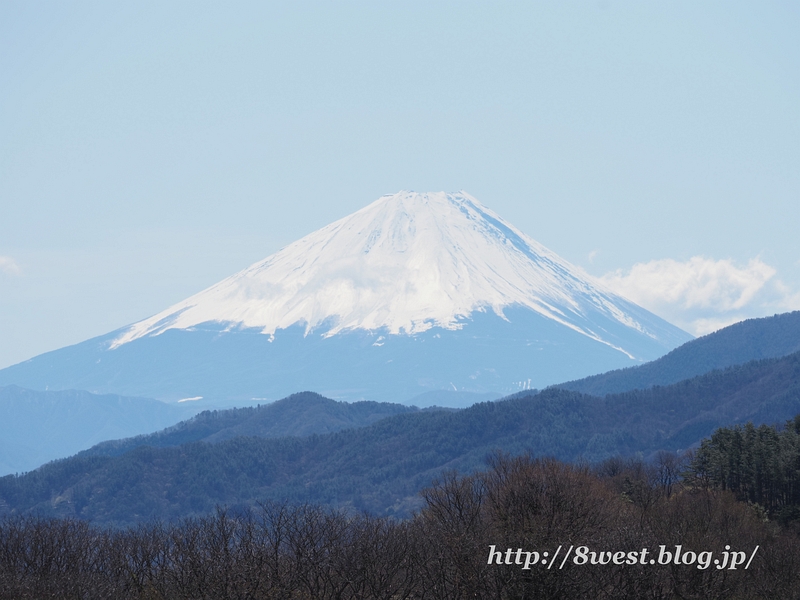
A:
x: 37, y: 427
x: 380, y: 467
x: 753, y: 339
x: 415, y: 293
x: 299, y: 415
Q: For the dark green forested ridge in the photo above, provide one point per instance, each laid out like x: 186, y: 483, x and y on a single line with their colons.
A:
x: 297, y: 415
x: 760, y: 465
x: 380, y: 468
x: 753, y: 339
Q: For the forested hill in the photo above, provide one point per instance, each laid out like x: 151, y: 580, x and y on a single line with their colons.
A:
x: 297, y: 415
x: 753, y: 339
x: 380, y: 468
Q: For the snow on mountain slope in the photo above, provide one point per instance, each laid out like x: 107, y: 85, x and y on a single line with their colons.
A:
x: 415, y: 293
x: 404, y: 264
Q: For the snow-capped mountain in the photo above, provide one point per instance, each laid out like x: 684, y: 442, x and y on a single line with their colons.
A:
x: 417, y: 291
x: 402, y: 265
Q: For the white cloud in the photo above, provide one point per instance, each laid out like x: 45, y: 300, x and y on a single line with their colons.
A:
x: 697, y: 283
x: 9, y: 266
x: 702, y: 294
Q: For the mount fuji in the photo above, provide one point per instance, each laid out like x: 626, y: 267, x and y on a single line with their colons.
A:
x: 416, y: 292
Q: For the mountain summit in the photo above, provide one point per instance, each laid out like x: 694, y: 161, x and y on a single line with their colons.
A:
x: 413, y: 293
x: 406, y: 263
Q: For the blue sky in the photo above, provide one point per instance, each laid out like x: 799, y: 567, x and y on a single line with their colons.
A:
x: 148, y: 150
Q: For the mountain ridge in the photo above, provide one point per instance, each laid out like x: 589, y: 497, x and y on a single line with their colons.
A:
x: 40, y: 426
x: 299, y: 415
x: 381, y: 467
x: 751, y: 339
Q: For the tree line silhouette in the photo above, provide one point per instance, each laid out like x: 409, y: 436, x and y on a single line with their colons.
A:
x: 282, y: 551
